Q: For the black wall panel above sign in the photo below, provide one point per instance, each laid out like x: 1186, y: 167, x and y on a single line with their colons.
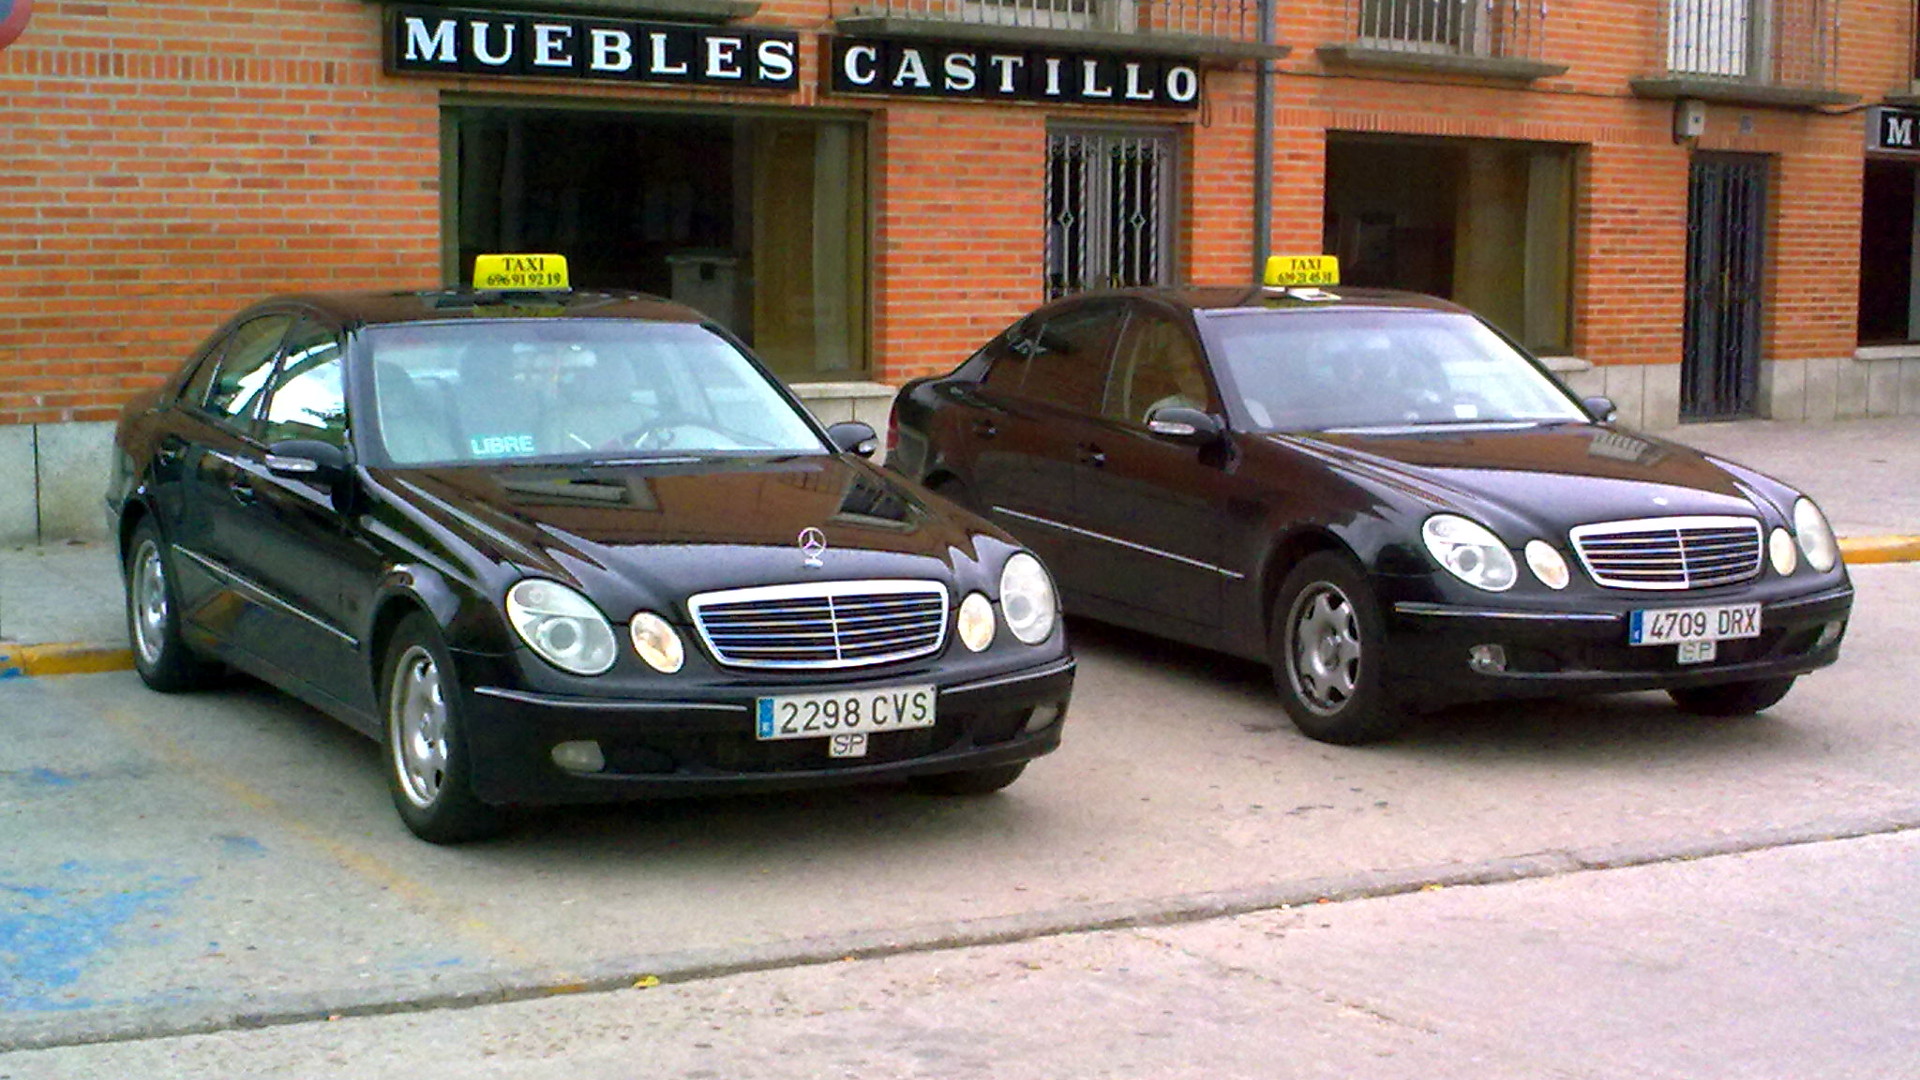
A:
x: 979, y: 72
x: 443, y: 41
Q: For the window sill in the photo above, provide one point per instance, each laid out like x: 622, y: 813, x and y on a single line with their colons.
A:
x: 1566, y: 365
x: 1495, y: 67
x: 1148, y: 44
x: 1737, y: 91
x: 1909, y: 351
x: 705, y: 11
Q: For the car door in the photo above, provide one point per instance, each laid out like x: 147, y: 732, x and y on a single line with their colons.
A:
x: 215, y: 433
x: 300, y: 547
x: 1035, y: 407
x: 1155, y: 510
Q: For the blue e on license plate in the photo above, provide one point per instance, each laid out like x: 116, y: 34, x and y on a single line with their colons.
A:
x: 844, y: 712
x: 1670, y: 626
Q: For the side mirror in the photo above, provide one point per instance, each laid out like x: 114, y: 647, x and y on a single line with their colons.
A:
x: 854, y: 437
x: 1184, y: 425
x: 320, y: 464
x: 1601, y: 408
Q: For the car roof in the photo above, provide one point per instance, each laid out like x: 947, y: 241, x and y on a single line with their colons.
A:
x: 380, y: 308
x: 1258, y: 297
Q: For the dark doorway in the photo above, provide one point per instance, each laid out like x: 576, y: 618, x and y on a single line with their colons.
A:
x: 1886, y: 254
x: 1726, y: 237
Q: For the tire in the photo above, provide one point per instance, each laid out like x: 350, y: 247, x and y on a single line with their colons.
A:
x: 1326, y: 643
x: 164, y: 661
x: 424, y: 747
x: 1732, y: 699
x: 971, y: 782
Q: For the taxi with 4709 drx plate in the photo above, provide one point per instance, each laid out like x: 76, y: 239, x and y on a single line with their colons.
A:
x: 1380, y: 495
x: 553, y: 546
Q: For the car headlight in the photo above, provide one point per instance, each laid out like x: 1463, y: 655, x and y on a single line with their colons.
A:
x: 1548, y: 564
x: 657, y: 643
x: 976, y: 622
x: 562, y: 626
x: 1781, y: 549
x: 1470, y: 552
x: 1027, y: 601
x: 1815, y: 535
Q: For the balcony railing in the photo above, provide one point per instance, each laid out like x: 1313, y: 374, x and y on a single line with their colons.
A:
x: 1183, y: 23
x: 1784, y: 52
x: 1485, y: 37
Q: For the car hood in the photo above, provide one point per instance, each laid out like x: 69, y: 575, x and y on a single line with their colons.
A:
x: 1541, y: 480
x: 667, y: 530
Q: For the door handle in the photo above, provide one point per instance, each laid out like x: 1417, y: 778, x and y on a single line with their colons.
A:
x: 242, y: 492
x: 171, y: 450
x: 984, y: 429
x: 1092, y: 455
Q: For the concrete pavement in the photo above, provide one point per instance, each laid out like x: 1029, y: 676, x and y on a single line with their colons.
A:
x: 61, y: 607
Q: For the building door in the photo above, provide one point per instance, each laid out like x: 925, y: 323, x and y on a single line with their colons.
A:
x: 1726, y: 233
x: 1110, y: 201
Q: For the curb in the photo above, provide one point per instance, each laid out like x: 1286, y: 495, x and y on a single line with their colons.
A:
x: 17, y: 661
x: 1880, y: 549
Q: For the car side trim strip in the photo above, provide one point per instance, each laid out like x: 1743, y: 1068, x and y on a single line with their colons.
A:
x: 1006, y: 680
x: 259, y: 592
x: 1448, y: 611
x: 1222, y: 571
x: 557, y: 702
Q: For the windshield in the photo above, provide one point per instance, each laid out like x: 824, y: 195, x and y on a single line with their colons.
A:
x: 1349, y: 368
x: 573, y: 388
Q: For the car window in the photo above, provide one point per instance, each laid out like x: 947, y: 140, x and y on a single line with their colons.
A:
x: 1338, y: 368
x: 308, y: 400
x: 245, y: 365
x: 193, y: 391
x: 1066, y: 355
x: 578, y: 388
x: 1155, y: 365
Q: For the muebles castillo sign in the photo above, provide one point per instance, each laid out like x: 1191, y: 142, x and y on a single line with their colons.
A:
x: 972, y: 71
x: 442, y: 41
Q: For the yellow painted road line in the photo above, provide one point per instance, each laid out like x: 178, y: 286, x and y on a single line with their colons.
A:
x: 63, y: 659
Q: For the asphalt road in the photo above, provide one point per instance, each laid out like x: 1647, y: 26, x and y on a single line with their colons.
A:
x: 225, y: 861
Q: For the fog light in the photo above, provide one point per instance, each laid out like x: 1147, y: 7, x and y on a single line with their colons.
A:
x: 1041, y: 718
x: 1488, y: 659
x: 1830, y: 633
x: 581, y: 756
x: 1781, y: 549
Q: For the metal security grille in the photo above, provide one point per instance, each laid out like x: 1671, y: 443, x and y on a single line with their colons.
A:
x: 1670, y: 553
x: 1502, y: 28
x: 1109, y: 210
x: 1726, y: 228
x: 829, y: 625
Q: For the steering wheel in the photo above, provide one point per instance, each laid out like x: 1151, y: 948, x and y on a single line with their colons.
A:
x: 657, y: 434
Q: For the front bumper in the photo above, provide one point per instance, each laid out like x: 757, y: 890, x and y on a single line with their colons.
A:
x: 702, y: 741
x: 1565, y: 653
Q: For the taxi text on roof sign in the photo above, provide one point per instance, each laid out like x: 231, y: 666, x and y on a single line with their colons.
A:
x: 1286, y: 270
x: 505, y: 272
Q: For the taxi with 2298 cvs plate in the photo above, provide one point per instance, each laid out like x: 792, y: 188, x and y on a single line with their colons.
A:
x: 554, y: 546
x: 1379, y: 495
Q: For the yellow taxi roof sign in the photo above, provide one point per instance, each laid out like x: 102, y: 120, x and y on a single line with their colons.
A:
x: 505, y: 273
x: 1287, y: 270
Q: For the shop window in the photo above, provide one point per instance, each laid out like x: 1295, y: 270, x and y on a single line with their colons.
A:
x: 1889, y: 308
x: 758, y: 222
x: 1110, y: 209
x: 1487, y: 224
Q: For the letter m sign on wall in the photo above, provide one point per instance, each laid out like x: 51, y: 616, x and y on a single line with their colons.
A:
x: 1893, y: 129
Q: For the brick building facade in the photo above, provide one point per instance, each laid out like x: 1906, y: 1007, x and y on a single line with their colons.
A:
x: 162, y: 162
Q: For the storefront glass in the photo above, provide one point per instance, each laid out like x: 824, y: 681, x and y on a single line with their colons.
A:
x: 760, y: 222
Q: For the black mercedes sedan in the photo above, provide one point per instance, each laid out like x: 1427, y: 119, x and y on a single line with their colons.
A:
x: 555, y: 546
x: 1380, y: 496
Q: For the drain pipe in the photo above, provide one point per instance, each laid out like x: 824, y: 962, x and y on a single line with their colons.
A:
x: 1263, y: 144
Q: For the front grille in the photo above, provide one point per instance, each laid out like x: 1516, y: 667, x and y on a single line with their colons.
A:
x: 838, y: 624
x: 1670, y: 553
